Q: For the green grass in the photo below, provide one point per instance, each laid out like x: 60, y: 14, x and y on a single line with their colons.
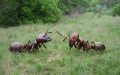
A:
x: 57, y: 59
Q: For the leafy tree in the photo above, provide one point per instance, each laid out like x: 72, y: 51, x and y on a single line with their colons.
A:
x: 50, y: 11
x: 32, y: 10
x: 8, y: 12
x: 116, y: 9
x: 67, y: 5
x: 14, y: 12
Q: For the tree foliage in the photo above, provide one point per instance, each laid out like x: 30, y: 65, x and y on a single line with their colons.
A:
x: 24, y: 11
x: 116, y: 9
x: 8, y: 14
x: 50, y: 11
x: 67, y: 5
x: 15, y: 12
x: 102, y: 6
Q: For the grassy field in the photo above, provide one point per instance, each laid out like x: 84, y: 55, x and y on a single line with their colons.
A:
x: 57, y: 59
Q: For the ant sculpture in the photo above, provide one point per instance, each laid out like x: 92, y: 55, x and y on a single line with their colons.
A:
x: 40, y: 40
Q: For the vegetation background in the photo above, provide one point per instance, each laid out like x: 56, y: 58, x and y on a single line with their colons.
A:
x: 17, y: 12
x: 94, y: 20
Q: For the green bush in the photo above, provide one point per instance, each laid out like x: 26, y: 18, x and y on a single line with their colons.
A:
x: 28, y: 11
x: 50, y: 11
x: 8, y: 14
x: 34, y: 10
x: 67, y: 5
x: 116, y: 9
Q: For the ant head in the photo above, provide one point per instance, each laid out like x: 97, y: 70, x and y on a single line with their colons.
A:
x: 48, y: 38
x: 42, y: 38
x: 71, y: 38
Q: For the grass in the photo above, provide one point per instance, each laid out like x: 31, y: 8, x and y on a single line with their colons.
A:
x: 57, y: 59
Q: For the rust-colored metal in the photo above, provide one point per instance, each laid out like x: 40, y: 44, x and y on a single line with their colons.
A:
x: 73, y: 38
x: 44, y: 37
x: 97, y: 46
x: 17, y: 47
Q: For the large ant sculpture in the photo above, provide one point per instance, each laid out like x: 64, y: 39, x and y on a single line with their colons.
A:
x: 40, y: 40
x: 73, y: 39
x: 17, y: 47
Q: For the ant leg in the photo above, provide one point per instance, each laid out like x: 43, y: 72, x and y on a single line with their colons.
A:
x: 39, y: 46
x: 32, y: 47
x: 29, y: 51
x: 20, y: 50
x: 95, y: 49
x: 13, y: 50
x: 70, y: 48
x: 70, y: 45
x: 75, y: 45
x: 44, y: 46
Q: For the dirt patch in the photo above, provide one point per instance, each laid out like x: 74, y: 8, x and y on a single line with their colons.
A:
x: 52, y: 57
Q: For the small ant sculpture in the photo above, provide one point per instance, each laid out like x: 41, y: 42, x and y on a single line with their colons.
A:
x: 73, y: 39
x: 17, y: 47
x: 43, y: 37
x: 97, y: 46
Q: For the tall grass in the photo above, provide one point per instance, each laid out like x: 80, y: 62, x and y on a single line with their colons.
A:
x: 57, y: 59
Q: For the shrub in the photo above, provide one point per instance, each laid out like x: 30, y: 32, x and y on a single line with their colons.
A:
x: 45, y: 9
x: 116, y: 9
x: 67, y: 5
x: 8, y: 14
x: 50, y: 11
x: 28, y: 11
